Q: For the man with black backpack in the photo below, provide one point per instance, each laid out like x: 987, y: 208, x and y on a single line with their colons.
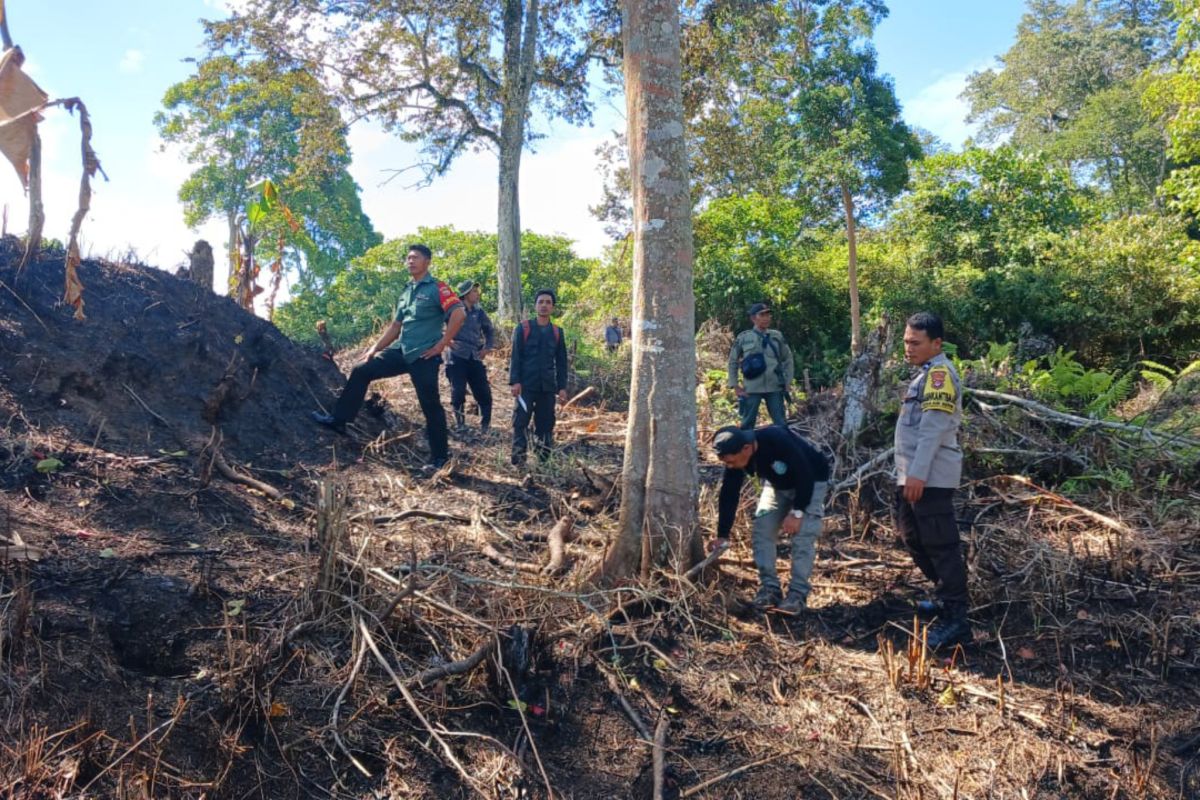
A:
x: 765, y: 362
x: 537, y: 373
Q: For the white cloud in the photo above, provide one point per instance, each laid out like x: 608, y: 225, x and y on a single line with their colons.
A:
x: 558, y: 183
x: 132, y: 61
x: 940, y: 109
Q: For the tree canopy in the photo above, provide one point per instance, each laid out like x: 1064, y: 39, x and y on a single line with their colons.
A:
x: 242, y: 122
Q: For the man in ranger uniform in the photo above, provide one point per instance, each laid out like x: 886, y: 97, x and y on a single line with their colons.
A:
x: 428, y: 316
x: 928, y: 469
x: 766, y: 366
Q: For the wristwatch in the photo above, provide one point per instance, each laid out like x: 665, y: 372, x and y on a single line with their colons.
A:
x: 797, y: 513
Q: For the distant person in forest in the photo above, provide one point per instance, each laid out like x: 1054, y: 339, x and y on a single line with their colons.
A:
x: 928, y: 469
x: 612, y: 336
x: 794, y: 477
x: 537, y: 373
x: 464, y: 363
x: 761, y: 368
x: 428, y: 317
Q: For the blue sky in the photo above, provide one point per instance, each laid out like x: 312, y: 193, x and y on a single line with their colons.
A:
x: 120, y: 57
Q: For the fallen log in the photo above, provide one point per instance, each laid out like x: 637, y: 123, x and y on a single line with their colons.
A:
x: 585, y: 394
x: 1045, y: 412
x: 1058, y: 499
x: 495, y: 555
x: 227, y: 472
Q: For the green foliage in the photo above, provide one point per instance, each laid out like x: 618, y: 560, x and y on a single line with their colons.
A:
x: 753, y: 249
x: 783, y: 98
x: 606, y: 292
x: 449, y: 76
x: 363, y: 297
x: 992, y: 239
x: 239, y: 123
x: 1177, y: 94
x: 1157, y: 375
x: 1070, y: 86
x: 1064, y: 382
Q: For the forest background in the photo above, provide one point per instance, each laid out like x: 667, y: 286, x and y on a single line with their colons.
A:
x: 1065, y: 230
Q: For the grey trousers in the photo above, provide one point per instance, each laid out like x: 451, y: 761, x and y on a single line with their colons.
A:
x: 773, y: 508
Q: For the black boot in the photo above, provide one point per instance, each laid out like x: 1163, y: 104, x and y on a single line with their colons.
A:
x: 767, y: 597
x: 952, y: 628
x: 329, y: 421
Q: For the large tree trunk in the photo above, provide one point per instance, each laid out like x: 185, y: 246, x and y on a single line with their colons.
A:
x: 658, y: 524
x: 520, y: 41
x: 852, y: 242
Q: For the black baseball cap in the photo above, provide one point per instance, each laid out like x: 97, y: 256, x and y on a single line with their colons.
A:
x: 758, y: 308
x: 731, y: 439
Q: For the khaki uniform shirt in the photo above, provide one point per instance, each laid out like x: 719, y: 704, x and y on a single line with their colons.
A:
x: 777, y: 353
x: 927, y: 430
x: 423, y: 309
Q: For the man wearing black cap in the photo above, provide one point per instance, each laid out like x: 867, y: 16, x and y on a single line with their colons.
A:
x: 794, y: 476
x: 537, y: 373
x: 464, y: 366
x: 764, y: 361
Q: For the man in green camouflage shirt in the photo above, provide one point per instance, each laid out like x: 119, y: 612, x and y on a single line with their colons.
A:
x: 428, y: 316
x: 761, y: 368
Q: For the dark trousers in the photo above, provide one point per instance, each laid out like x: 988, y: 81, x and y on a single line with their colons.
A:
x: 464, y: 372
x: 424, y: 375
x: 540, y: 408
x: 930, y: 533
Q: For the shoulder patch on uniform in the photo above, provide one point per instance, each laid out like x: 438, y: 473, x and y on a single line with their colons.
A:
x: 779, y: 467
x: 446, y: 296
x: 939, y: 393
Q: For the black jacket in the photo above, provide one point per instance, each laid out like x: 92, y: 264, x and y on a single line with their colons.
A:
x: 539, y: 362
x: 784, y: 460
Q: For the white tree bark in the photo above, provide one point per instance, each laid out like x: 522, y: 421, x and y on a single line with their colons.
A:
x: 658, y: 519
x: 520, y: 48
x: 862, y: 379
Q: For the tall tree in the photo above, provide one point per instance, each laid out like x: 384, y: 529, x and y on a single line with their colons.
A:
x: 1070, y: 85
x: 240, y: 123
x: 452, y: 76
x: 658, y: 519
x: 785, y: 99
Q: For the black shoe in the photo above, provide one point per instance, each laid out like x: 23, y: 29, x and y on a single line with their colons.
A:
x: 329, y: 421
x: 930, y: 608
x: 949, y: 631
x: 767, y: 597
x: 794, y: 603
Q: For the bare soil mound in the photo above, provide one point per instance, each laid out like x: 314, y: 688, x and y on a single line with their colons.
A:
x: 157, y: 359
